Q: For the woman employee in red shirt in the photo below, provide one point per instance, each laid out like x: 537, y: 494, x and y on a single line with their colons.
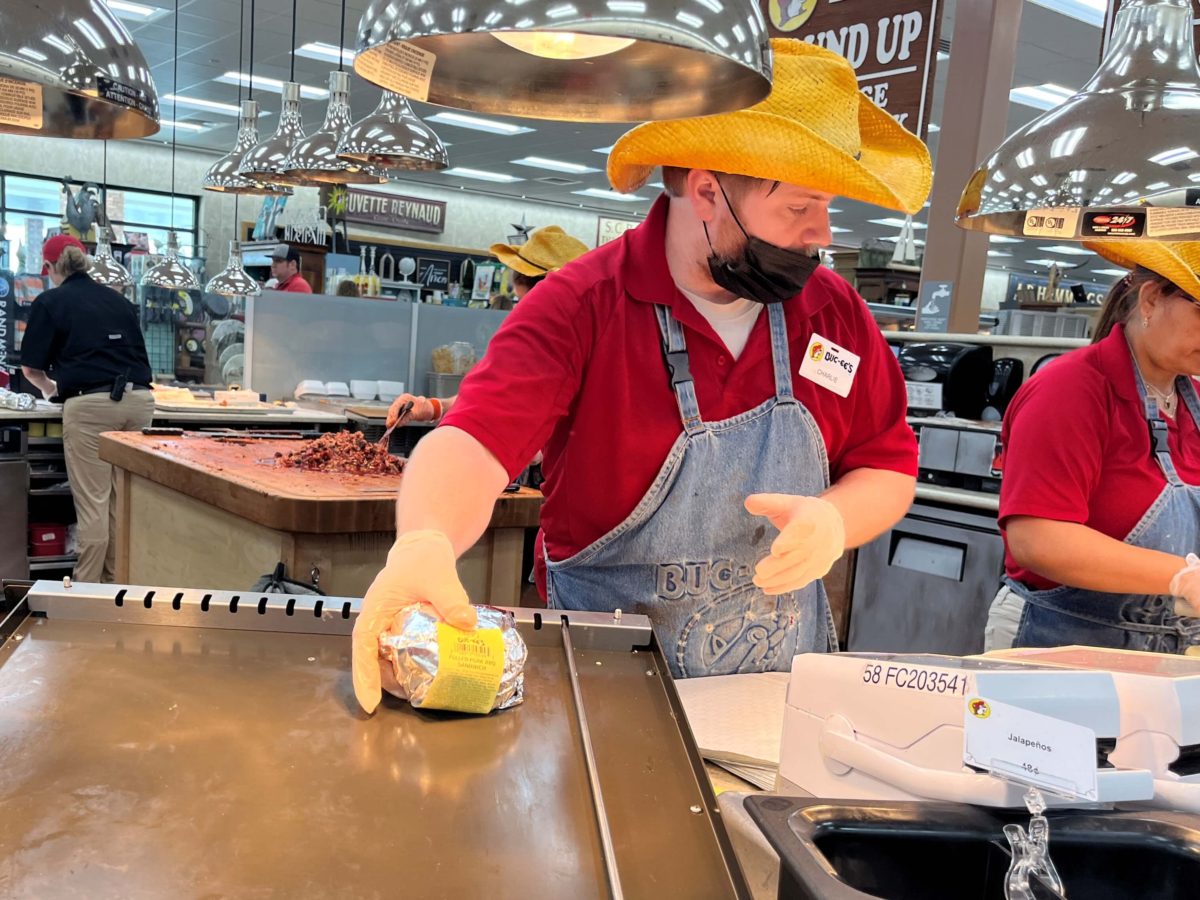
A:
x: 1100, y: 504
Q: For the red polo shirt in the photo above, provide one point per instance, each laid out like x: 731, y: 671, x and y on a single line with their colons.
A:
x: 295, y: 285
x: 578, y: 369
x: 1077, y: 447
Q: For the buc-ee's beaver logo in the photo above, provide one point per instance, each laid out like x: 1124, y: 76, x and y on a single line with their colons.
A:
x: 816, y: 351
x: 979, y: 708
x: 788, y: 15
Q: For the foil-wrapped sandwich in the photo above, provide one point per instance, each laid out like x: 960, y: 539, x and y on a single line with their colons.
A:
x: 438, y: 666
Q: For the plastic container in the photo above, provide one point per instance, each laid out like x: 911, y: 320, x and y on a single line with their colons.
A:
x: 390, y: 390
x: 310, y: 386
x: 47, y: 539
x: 337, y: 389
x: 442, y: 385
x: 364, y: 390
x: 463, y: 355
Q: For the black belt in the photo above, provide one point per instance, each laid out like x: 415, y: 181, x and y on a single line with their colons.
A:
x: 107, y: 389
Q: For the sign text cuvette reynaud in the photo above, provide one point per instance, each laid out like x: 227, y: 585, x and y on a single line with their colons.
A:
x: 395, y: 211
x: 892, y: 45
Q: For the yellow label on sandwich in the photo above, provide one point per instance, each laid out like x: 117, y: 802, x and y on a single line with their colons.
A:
x: 470, y: 666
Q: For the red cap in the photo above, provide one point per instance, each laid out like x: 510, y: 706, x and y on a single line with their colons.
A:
x: 53, y: 248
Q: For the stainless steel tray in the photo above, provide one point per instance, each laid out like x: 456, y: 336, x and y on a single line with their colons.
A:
x: 168, y: 747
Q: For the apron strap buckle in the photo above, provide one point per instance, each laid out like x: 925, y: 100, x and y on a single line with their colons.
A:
x: 678, y: 368
x: 1158, y: 436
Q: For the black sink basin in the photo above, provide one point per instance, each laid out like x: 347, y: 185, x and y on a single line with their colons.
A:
x: 848, y: 850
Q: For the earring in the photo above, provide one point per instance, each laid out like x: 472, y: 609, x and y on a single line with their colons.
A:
x: 1145, y: 321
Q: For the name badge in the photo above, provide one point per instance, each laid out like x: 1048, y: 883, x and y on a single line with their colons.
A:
x: 830, y: 366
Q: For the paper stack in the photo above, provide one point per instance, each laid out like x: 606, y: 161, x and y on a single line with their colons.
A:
x: 737, y: 721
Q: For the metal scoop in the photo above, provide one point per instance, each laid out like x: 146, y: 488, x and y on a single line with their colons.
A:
x: 401, y: 418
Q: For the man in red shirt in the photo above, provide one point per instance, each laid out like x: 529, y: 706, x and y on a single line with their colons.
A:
x: 720, y: 416
x: 285, y: 269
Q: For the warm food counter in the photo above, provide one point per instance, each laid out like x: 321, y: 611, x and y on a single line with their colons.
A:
x: 196, y: 510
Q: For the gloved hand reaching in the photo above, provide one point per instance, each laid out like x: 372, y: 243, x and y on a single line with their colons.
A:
x: 1185, y: 587
x: 423, y: 409
x: 420, y: 569
x: 811, y: 537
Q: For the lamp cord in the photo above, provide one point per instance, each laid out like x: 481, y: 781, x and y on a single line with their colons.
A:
x: 241, y: 48
x: 342, y: 38
x: 293, y: 70
x: 174, y: 110
x: 250, y: 74
x: 241, y: 62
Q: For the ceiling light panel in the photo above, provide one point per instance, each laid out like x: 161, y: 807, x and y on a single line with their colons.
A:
x: 481, y: 175
x: 325, y: 52
x: 1069, y: 249
x: 554, y: 165
x: 274, y: 85
x: 1046, y: 263
x: 611, y: 195
x: 225, y: 109
x: 1040, y: 96
x: 896, y: 223
x: 135, y: 12
x: 1090, y: 12
x: 475, y: 123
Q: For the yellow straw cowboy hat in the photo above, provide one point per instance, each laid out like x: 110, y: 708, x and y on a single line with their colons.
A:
x: 547, y: 249
x: 816, y: 129
x: 1176, y: 261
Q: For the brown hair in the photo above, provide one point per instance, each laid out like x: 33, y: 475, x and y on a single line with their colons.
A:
x: 71, y: 261
x: 525, y: 281
x: 737, y: 186
x: 1122, y: 299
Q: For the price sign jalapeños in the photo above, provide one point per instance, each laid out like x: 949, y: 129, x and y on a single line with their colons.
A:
x: 1030, y: 748
x: 914, y: 678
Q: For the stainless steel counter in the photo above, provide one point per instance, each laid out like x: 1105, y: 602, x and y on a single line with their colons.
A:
x: 149, y: 759
x: 959, y: 497
x: 296, y: 417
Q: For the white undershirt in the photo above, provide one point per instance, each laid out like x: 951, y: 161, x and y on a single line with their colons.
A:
x: 732, y: 322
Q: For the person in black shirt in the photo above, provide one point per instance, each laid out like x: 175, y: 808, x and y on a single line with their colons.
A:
x: 83, y: 346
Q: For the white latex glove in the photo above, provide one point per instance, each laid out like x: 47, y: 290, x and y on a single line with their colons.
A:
x: 422, y: 410
x: 420, y: 569
x: 1185, y: 587
x: 811, y: 537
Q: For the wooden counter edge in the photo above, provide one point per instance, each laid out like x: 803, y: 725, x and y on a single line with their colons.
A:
x: 300, y: 515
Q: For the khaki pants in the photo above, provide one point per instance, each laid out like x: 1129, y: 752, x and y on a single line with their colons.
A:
x: 1004, y: 618
x: 92, y: 484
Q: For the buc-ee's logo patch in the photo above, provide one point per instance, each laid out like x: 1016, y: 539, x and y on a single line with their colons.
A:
x: 816, y: 351
x: 979, y: 708
x: 788, y: 15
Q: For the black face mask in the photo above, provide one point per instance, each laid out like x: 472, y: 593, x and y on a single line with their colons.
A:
x: 762, y: 271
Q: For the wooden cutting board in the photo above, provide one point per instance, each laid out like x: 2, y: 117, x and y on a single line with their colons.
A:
x: 243, y: 479
x: 369, y: 412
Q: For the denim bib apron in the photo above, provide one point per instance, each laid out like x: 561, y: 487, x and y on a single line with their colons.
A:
x: 1067, y: 615
x: 685, y: 556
